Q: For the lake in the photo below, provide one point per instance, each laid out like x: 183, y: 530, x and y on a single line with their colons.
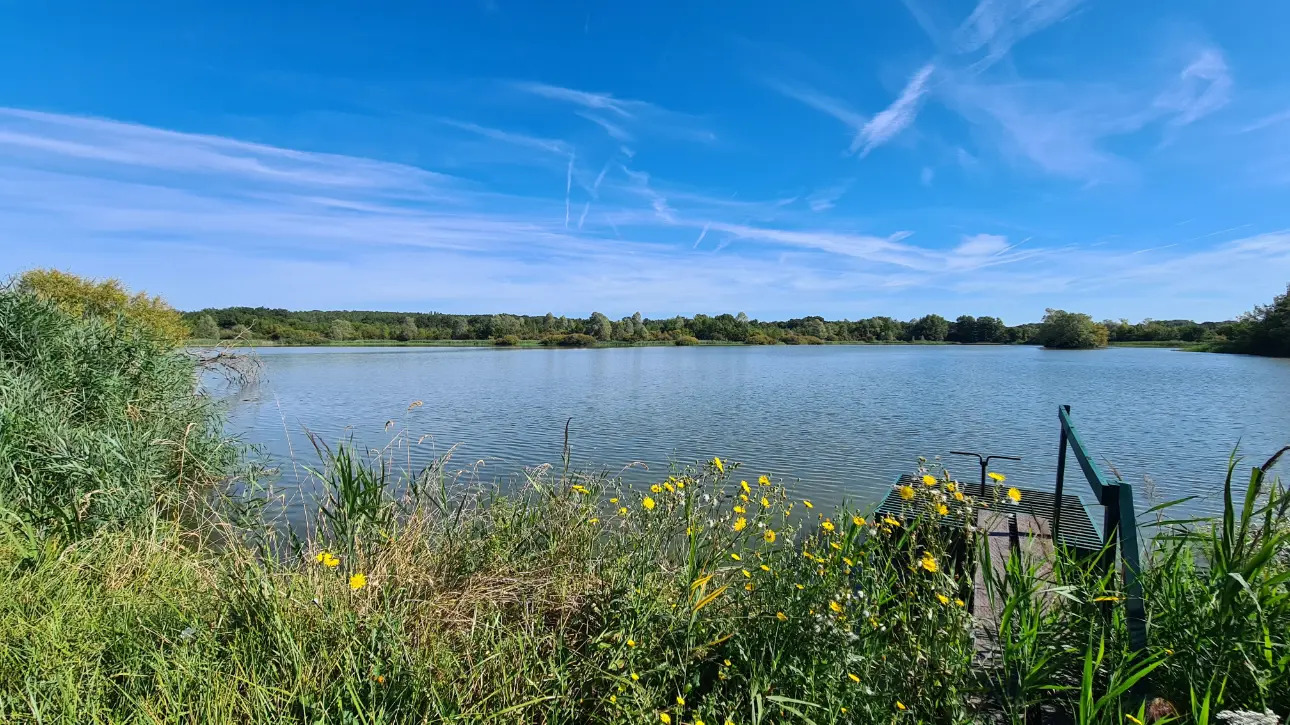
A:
x: 840, y: 421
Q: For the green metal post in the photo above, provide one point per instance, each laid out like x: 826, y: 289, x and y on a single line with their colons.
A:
x: 1061, y: 477
x: 1135, y: 611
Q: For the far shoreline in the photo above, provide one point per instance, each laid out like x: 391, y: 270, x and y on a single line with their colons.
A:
x: 1180, y: 345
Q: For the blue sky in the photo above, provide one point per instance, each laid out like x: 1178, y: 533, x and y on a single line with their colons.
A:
x: 839, y: 158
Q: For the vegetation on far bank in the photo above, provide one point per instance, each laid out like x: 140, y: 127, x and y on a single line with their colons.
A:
x: 145, y: 576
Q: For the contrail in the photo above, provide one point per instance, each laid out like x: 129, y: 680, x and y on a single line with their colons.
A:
x: 568, y: 187
x: 702, y: 234
x: 586, y: 208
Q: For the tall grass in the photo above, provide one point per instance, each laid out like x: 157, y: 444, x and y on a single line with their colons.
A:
x: 99, y: 420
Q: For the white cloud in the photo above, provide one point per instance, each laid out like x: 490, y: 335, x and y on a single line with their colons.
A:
x: 979, y: 245
x: 895, y: 118
x: 826, y: 198
x: 1203, y: 87
x: 616, y: 132
x: 996, y: 25
x: 821, y: 102
x: 518, y: 139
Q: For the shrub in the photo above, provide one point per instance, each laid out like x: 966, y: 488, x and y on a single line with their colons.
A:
x: 686, y: 340
x: 571, y: 340
x: 506, y: 341
x: 80, y: 297
x: 759, y: 338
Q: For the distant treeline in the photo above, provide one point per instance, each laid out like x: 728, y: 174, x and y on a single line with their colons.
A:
x: 322, y: 326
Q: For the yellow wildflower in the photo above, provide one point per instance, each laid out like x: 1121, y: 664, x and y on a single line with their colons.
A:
x: 648, y: 503
x: 858, y: 520
x: 1106, y: 598
x: 997, y: 477
x: 736, y: 557
x: 613, y: 500
x: 720, y: 466
x: 765, y: 568
x: 835, y: 545
x: 769, y: 536
x: 697, y: 721
x: 613, y: 698
x: 665, y: 718
x: 748, y: 587
x: 622, y: 510
x: 741, y: 510
x: 656, y: 488
x: 358, y: 581
x: 900, y: 705
x: 1132, y: 719
x: 847, y: 561
x: 958, y: 495
x: 828, y: 526
x: 781, y: 616
x: 680, y: 484
x: 680, y: 701
x: 635, y: 677
x: 1014, y: 495
x: 670, y: 488
x: 837, y: 608
x: 740, y: 524
x: 579, y: 488
x: 327, y: 559
x: 763, y: 480
x: 958, y: 602
x: 942, y: 598
x: 929, y: 480
x: 906, y: 492
x: 951, y: 487
x: 744, y: 485
x: 747, y: 573
x: 743, y: 497
x: 854, y: 678
x: 942, y: 509
x: 799, y: 587
x: 765, y: 502
x: 593, y: 522
x: 890, y: 521
x: 929, y: 563
x: 726, y: 662
x: 631, y: 643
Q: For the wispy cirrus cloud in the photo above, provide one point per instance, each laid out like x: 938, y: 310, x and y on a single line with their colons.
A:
x: 631, y: 117
x: 554, y: 146
x: 895, y: 118
x: 210, y: 221
x: 995, y: 26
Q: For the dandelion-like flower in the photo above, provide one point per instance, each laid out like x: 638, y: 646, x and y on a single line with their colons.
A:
x: 656, y: 488
x: 808, y: 503
x: 765, y: 502
x: 781, y: 616
x: 635, y: 677
x: 828, y: 526
x: 906, y: 492
x: 958, y: 495
x: 929, y: 563
x: 648, y: 503
x: 942, y: 509
x: 929, y: 480
x: 997, y: 477
x: 613, y: 500
x: 854, y: 678
x: 765, y: 568
x: 744, y: 485
x: 680, y: 701
x: 858, y: 520
x: 665, y: 718
x: 358, y: 581
x: 741, y: 510
x: 769, y: 536
x: 763, y: 480
x: 747, y: 574
x: 741, y: 523
x: 622, y: 510
x: 579, y: 488
x: 1014, y: 495
x: 719, y: 465
x: 942, y: 598
x: 327, y: 559
x: 736, y: 557
x: 900, y: 705
x: 890, y: 521
x: 837, y: 608
x: 951, y: 487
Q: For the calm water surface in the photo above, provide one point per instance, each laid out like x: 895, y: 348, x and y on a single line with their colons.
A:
x: 843, y: 421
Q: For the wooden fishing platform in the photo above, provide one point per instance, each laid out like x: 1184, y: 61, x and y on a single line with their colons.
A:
x: 1035, y: 525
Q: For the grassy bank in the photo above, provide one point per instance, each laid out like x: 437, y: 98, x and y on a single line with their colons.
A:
x: 713, y: 596
x: 200, y: 342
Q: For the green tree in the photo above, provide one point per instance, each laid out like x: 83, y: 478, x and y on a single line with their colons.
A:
x: 991, y: 329
x: 1070, y: 331
x: 407, y: 329
x: 1266, y: 329
x: 932, y: 328
x: 205, y: 328
x: 342, y: 329
x: 600, y: 327
x: 963, y: 329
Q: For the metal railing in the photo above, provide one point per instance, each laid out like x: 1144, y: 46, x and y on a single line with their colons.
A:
x: 1119, y: 525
